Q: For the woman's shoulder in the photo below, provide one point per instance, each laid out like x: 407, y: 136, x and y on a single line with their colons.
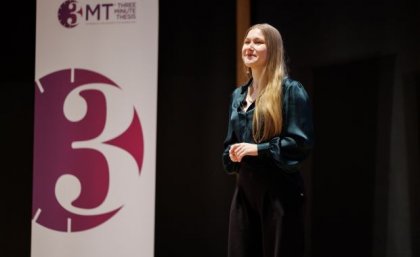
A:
x: 289, y: 82
x: 294, y: 87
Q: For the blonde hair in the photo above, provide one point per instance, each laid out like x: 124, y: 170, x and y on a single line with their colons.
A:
x: 267, y: 121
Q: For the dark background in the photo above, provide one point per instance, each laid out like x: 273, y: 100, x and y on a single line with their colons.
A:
x: 359, y: 61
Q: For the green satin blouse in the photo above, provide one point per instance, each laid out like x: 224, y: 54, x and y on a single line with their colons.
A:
x: 284, y: 152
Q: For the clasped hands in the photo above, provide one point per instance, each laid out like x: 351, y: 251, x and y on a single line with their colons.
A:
x: 238, y: 151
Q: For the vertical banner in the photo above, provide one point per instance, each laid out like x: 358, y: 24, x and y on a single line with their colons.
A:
x: 95, y: 128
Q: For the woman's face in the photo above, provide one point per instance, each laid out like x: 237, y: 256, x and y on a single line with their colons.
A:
x: 254, y: 50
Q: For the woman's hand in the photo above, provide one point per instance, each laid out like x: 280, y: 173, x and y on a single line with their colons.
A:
x: 238, y: 151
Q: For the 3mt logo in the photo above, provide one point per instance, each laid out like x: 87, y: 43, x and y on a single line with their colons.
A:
x: 88, y: 150
x: 71, y: 11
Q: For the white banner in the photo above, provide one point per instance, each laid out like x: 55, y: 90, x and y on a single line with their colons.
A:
x: 95, y: 128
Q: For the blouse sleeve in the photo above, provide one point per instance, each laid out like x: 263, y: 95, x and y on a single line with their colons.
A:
x: 296, y: 139
x: 229, y: 166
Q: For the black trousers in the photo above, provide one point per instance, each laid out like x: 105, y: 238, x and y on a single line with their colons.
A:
x: 266, y: 217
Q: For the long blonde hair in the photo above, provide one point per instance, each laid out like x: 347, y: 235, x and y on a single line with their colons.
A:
x: 267, y: 121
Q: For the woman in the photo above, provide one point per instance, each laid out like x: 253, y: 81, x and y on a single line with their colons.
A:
x: 269, y: 135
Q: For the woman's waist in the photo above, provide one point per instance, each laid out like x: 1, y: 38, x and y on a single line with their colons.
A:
x: 257, y: 171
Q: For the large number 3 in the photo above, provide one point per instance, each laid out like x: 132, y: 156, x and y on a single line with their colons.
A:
x: 88, y: 148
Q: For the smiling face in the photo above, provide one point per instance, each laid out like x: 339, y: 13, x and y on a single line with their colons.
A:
x: 254, y: 49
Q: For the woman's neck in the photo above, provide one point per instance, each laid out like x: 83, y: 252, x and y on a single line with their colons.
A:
x: 256, y: 76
